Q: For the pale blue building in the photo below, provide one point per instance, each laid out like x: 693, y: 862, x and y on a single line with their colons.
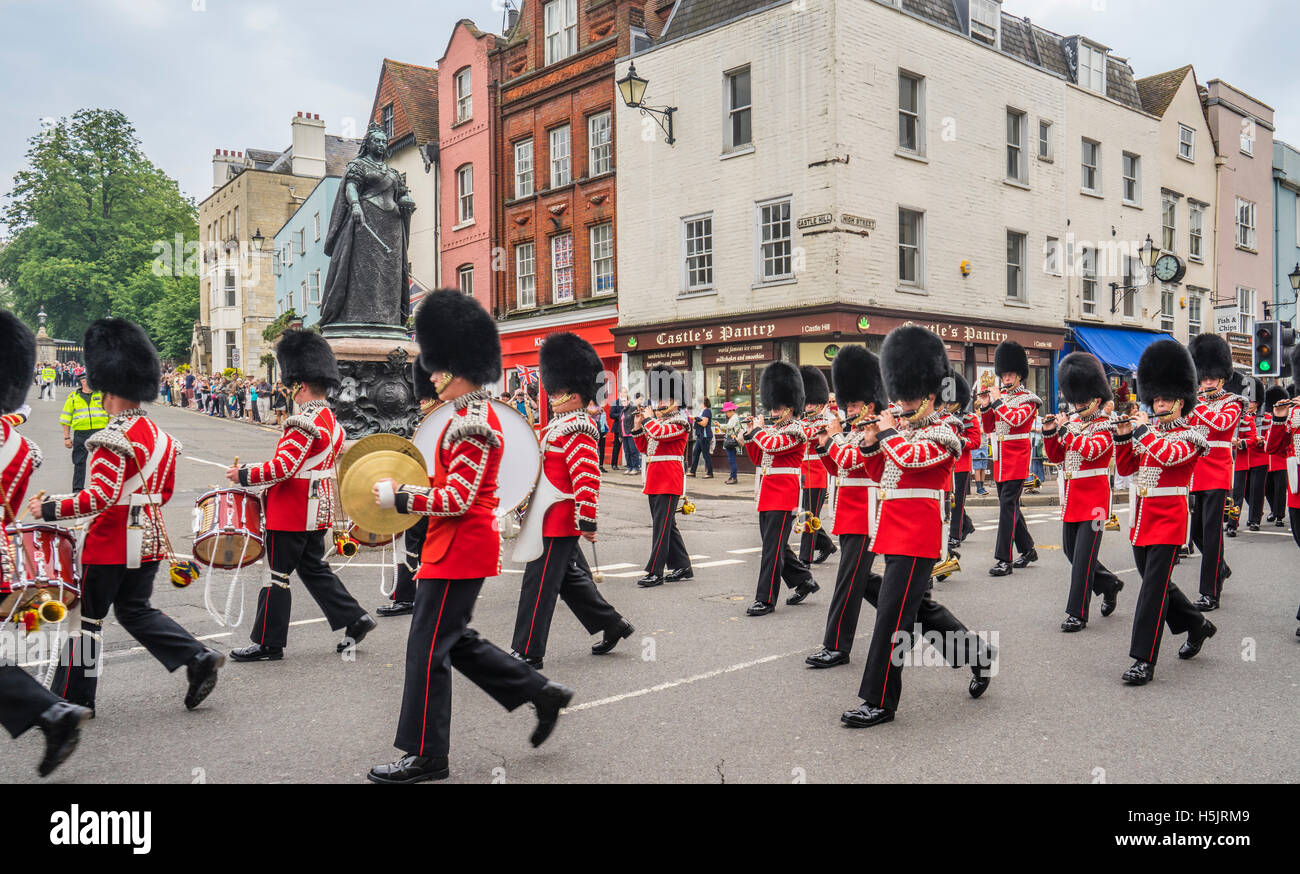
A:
x: 299, y: 255
x: 1286, y: 225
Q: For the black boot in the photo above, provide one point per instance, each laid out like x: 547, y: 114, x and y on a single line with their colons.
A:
x: 410, y: 769
x: 1108, y: 600
x: 1024, y: 560
x: 1196, y: 639
x: 649, y: 581
x: 1073, y: 624
x: 683, y: 573
x: 1206, y: 604
x: 1000, y: 569
x: 1140, y: 674
x: 827, y: 658
x: 202, y: 674
x: 258, y: 653
x: 61, y: 724
x: 397, y: 608
x: 620, y: 631
x: 357, y: 631
x: 865, y: 716
x: 534, y: 662
x: 803, y: 591
x: 549, y: 702
x: 759, y: 608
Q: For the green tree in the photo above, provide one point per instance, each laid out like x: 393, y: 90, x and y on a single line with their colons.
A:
x: 87, y: 214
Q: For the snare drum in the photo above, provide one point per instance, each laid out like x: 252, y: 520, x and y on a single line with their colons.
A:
x: 370, y: 541
x: 45, y: 559
x: 228, y: 529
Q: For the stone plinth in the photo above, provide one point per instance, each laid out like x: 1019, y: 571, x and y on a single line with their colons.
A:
x: 375, y: 394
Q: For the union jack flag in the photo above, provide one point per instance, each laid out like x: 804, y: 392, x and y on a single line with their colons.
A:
x: 526, y: 377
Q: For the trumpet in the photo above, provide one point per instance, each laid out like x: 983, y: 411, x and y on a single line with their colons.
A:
x: 686, y: 507
x: 810, y: 523
x: 43, y: 608
x: 345, y: 544
x: 946, y: 568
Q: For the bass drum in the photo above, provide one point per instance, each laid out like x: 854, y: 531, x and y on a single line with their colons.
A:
x: 520, y: 464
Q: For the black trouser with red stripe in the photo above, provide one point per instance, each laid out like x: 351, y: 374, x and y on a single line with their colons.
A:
x: 856, y: 559
x: 1239, y: 478
x: 1011, y: 524
x: 22, y: 700
x: 666, y: 547
x: 1255, y: 493
x: 408, y: 564
x: 778, y: 560
x: 1207, y: 533
x: 303, y: 551
x: 904, y: 606
x: 441, y: 639
x: 560, y: 571
x: 1081, y: 542
x: 814, y: 501
x: 127, y: 592
x: 1275, y: 487
x: 959, y: 524
x: 1159, y: 602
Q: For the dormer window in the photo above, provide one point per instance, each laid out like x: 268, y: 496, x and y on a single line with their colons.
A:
x: 985, y: 20
x: 1092, y: 68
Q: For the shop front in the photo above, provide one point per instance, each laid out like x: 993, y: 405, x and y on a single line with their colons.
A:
x: 521, y: 343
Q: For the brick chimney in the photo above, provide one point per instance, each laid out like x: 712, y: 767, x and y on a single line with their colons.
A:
x: 308, y: 145
x: 225, y: 162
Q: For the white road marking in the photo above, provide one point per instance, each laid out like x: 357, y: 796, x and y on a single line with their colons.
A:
x: 745, y: 551
x: 615, y: 567
x: 624, y: 575
x: 697, y: 557
x: 219, y: 464
x: 719, y: 563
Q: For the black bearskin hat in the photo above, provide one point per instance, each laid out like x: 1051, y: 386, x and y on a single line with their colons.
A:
x: 121, y: 361
x: 1212, y: 356
x: 1272, y: 396
x: 781, y: 386
x: 856, y: 374
x: 1082, y: 378
x: 1166, y: 371
x: 1235, y: 384
x: 665, y: 385
x: 815, y: 389
x: 915, y: 363
x: 1257, y: 391
x: 1295, y: 365
x: 457, y: 336
x: 305, y: 357
x: 1010, y: 357
x: 423, y: 381
x: 17, y: 361
x: 960, y: 394
x: 570, y: 364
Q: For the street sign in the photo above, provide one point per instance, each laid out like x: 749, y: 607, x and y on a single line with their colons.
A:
x: 1226, y: 319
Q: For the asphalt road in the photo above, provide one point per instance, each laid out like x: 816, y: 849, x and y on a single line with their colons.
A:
x: 702, y: 693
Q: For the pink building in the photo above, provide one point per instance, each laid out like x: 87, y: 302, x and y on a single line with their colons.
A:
x: 1243, y: 132
x: 466, y: 121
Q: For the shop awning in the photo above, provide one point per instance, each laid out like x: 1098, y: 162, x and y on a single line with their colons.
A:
x: 1120, y: 348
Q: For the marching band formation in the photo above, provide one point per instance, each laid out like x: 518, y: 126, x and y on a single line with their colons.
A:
x: 889, y: 454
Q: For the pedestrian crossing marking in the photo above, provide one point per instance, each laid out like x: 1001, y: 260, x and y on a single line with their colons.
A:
x: 747, y: 551
x: 720, y: 562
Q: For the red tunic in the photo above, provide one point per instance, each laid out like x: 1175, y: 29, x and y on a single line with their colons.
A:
x: 913, y: 467
x: 813, y: 472
x: 1163, y: 459
x: 18, y: 458
x: 570, y: 463
x: 129, y: 446
x: 968, y: 429
x: 1216, y: 417
x: 1009, y: 420
x: 301, y: 473
x: 1084, y: 450
x: 777, y: 453
x: 1284, y: 445
x: 1276, y: 460
x: 463, y: 542
x: 1245, y: 455
x: 662, y: 444
x: 855, y: 496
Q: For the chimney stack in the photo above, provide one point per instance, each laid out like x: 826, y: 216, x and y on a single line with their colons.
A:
x: 308, y: 145
x: 225, y: 163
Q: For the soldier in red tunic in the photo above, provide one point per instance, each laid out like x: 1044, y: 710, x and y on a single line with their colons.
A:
x: 967, y: 427
x: 1257, y: 460
x: 1216, y: 417
x: 300, y: 499
x: 815, y: 546
x: 911, y: 455
x: 1247, y: 435
x: 1083, y: 447
x: 777, y: 451
x: 460, y: 347
x: 661, y: 440
x: 1007, y: 414
x: 860, y: 391
x: 1275, y: 486
x: 571, y: 372
x: 1161, y: 458
x: 1284, y: 443
x: 25, y: 703
x: 130, y: 476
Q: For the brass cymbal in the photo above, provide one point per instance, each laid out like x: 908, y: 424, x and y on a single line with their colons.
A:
x: 377, y: 443
x: 357, y: 497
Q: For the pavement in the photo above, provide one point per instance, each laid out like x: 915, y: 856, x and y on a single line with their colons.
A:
x: 701, y: 693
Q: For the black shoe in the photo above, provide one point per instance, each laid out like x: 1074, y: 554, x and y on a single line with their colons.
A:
x: 621, y: 631
x: 1001, y: 569
x: 357, y: 631
x: 865, y: 716
x: 1206, y: 604
x: 968, y: 529
x: 549, y: 702
x: 827, y: 658
x: 681, y: 573
x: 61, y: 723
x: 1272, y: 518
x: 1252, y: 526
x: 1108, y: 600
x: 397, y: 608
x: 1230, y: 532
x: 1024, y: 560
x: 1195, y: 639
x: 534, y: 662
x: 802, y: 591
x: 953, y: 546
x: 1073, y: 624
x: 982, y: 674
x: 258, y: 653
x: 1280, y: 523
x: 823, y: 554
x: 649, y: 581
x: 202, y: 674
x: 760, y: 608
x: 1140, y: 674
x: 410, y: 769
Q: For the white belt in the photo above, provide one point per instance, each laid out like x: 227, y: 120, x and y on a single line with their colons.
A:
x: 1084, y: 474
x: 1220, y: 444
x: 677, y: 458
x: 768, y: 471
x: 315, y: 475
x: 893, y: 494
x: 844, y: 481
x: 136, y: 499
x: 1014, y: 436
x: 1164, y: 492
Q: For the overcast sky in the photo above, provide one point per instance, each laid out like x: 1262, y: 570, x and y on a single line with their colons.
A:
x: 197, y: 75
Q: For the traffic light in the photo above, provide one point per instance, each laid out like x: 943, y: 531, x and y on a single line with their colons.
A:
x: 1267, y: 357
x: 1285, y: 344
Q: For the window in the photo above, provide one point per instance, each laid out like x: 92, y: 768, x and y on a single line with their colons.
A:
x: 316, y: 226
x: 304, y: 294
x: 1193, y: 312
x: 911, y: 104
x: 386, y: 119
x: 1017, y: 132
x: 1092, y: 68
x: 561, y: 29
x: 235, y: 223
x: 288, y: 300
x: 739, y: 106
x: 1092, y: 167
x: 985, y: 20
x: 230, y: 286
x: 524, y: 168
x: 1130, y: 280
x: 697, y: 245
x: 313, y: 287
x: 1015, y: 266
x: 1196, y: 240
x: 600, y: 153
x: 562, y: 268
x: 602, y: 259
x: 1132, y: 169
x: 301, y: 236
x: 464, y: 95
x: 1245, y: 310
x: 1052, y: 256
x: 1186, y: 142
x: 232, y: 349
x: 560, y: 169
x: 465, y: 194
x: 525, y: 276
x: 1248, y: 136
x: 640, y: 39
x: 1044, y: 140
x: 1245, y: 224
x: 465, y: 279
x: 911, y: 247
x: 1088, y: 272
x: 1166, y: 309
x: 774, y: 249
x: 1168, y: 223
x: 276, y: 262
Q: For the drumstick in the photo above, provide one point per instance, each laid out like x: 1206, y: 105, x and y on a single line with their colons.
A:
x: 39, y: 495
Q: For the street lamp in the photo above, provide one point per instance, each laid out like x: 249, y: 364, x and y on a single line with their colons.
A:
x: 258, y: 240
x: 1295, y: 279
x: 1150, y: 255
x: 1294, y: 276
x: 632, y: 89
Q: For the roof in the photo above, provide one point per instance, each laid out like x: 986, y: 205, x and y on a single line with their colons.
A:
x: 416, y: 89
x: 1158, y: 91
x: 338, y: 152
x: 695, y: 16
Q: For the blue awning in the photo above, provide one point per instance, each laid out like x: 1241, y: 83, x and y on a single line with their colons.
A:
x: 1119, y: 348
